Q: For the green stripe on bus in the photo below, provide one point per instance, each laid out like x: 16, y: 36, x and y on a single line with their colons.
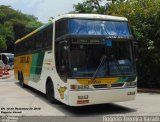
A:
x: 36, y: 66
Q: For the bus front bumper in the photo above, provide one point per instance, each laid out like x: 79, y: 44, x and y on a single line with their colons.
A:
x: 82, y: 98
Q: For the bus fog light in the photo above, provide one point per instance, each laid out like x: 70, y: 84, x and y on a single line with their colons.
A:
x: 86, y: 86
x: 80, y: 87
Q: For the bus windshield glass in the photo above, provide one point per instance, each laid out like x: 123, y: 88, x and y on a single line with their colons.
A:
x: 98, y: 27
x: 95, y: 57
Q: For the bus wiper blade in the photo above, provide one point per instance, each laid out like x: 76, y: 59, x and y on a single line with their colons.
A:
x: 102, y: 62
x: 117, y: 65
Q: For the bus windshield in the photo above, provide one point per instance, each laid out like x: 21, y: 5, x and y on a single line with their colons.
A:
x: 98, y: 27
x: 87, y: 58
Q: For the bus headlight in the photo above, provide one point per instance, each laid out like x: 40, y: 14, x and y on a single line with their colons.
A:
x: 131, y: 84
x: 82, y: 86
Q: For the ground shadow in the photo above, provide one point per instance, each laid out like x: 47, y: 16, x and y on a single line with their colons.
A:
x: 92, y: 110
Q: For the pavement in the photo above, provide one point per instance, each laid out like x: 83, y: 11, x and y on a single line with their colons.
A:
x: 17, y: 101
x: 145, y: 90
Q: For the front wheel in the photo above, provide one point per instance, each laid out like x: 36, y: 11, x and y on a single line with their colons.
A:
x: 50, y: 92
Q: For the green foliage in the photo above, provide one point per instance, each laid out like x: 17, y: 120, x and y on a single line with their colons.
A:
x: 91, y: 6
x: 3, y: 45
x: 94, y: 6
x: 14, y: 25
x: 144, y: 19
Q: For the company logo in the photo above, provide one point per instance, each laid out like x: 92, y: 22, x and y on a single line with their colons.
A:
x: 61, y: 91
x: 94, y: 82
x: 25, y: 59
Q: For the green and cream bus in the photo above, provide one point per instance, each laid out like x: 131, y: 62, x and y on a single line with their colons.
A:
x: 79, y: 59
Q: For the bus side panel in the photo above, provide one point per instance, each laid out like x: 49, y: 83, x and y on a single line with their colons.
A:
x: 42, y: 68
x: 16, y: 62
x: 48, y: 70
x: 36, y: 66
x: 22, y: 64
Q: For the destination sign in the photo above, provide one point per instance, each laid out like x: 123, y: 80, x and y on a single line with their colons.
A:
x: 86, y: 41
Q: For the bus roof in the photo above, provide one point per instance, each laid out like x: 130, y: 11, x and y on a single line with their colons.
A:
x: 79, y: 16
x: 91, y: 16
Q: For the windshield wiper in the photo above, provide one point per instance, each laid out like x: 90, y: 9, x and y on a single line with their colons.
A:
x: 117, y: 65
x: 102, y: 62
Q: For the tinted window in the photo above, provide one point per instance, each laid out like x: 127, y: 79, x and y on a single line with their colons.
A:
x: 61, y: 27
x: 42, y: 40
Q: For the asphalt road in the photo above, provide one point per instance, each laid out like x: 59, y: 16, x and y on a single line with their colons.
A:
x: 17, y: 101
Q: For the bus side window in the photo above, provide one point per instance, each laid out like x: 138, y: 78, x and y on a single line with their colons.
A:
x: 25, y: 45
x: 50, y: 33
x: 4, y: 59
x: 21, y: 46
x: 29, y: 44
x: 48, y: 36
x: 39, y: 40
x: 45, y: 39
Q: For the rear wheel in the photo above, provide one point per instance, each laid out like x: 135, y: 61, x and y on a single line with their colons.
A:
x: 21, y: 80
x: 50, y: 92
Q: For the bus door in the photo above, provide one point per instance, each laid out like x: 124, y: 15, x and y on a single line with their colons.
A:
x: 63, y: 60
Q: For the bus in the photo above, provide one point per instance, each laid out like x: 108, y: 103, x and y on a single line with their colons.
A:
x: 7, y: 59
x: 79, y: 59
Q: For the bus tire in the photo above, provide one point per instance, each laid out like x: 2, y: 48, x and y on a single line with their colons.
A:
x: 50, y: 92
x: 21, y: 80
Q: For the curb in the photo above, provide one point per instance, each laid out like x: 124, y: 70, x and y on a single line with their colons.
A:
x: 143, y: 90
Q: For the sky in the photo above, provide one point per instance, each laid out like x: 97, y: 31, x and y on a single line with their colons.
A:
x: 43, y: 9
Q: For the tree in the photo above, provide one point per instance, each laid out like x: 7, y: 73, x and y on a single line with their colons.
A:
x: 92, y: 6
x: 3, y: 45
x: 143, y: 17
x: 14, y: 25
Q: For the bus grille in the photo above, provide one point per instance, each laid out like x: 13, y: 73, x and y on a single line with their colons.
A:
x: 108, y: 86
x: 117, y: 85
x: 100, y: 86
